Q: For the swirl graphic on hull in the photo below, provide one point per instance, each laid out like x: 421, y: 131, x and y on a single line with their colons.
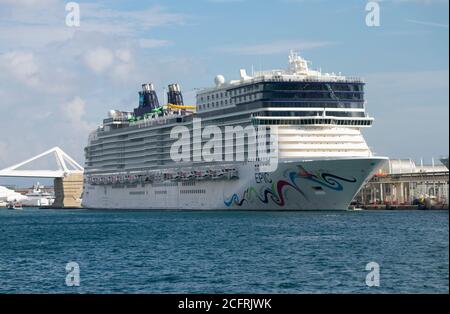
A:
x: 277, y: 191
x: 325, y: 179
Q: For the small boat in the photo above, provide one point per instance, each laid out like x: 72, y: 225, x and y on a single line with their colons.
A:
x: 14, y: 206
x: 38, y: 197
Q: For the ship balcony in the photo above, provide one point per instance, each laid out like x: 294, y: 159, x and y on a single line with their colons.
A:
x: 314, y: 121
x: 322, y: 146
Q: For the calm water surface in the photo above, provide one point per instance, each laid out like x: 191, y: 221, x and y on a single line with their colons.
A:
x: 220, y: 252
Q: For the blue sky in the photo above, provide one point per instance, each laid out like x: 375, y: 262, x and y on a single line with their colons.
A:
x: 58, y: 82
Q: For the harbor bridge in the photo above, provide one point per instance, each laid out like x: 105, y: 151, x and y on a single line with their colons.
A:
x: 67, y: 175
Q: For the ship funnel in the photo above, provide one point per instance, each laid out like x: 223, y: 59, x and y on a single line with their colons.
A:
x: 148, y: 100
x: 148, y: 87
x: 174, y: 95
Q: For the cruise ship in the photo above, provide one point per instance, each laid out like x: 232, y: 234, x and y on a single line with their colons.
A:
x: 315, y: 156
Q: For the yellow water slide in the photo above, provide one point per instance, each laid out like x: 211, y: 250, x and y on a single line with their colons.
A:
x: 172, y: 106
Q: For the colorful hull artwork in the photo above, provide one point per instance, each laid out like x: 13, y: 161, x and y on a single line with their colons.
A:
x: 295, y: 185
x: 277, y: 191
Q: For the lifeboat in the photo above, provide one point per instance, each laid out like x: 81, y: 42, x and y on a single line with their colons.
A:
x: 134, y: 179
x: 182, y: 175
x: 205, y: 174
x: 158, y: 176
x: 212, y: 174
x: 233, y: 174
x: 198, y: 174
x: 168, y: 176
x: 219, y: 174
x: 147, y: 178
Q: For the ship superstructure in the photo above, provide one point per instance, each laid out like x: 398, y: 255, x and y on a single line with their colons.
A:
x: 323, y: 159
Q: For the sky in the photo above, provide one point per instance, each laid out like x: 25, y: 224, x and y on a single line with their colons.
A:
x: 57, y: 82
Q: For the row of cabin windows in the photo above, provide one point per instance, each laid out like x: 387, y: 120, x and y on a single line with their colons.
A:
x: 199, y: 191
x: 313, y: 122
x: 229, y: 93
x: 233, y: 92
x: 225, y: 102
x: 310, y: 114
x: 283, y: 86
x: 303, y: 104
x: 314, y: 95
x: 314, y: 86
x: 292, y: 97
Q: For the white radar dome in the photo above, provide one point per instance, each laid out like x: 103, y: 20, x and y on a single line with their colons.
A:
x: 112, y: 113
x: 219, y: 80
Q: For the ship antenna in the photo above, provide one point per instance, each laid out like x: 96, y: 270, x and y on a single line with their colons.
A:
x: 164, y: 96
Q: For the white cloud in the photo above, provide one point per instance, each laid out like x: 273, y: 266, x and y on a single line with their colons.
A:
x: 37, y: 23
x: 428, y: 23
x: 75, y: 111
x: 153, y: 43
x: 118, y: 64
x: 46, y: 70
x: 225, y: 1
x: 274, y: 47
x: 27, y: 3
x: 96, y: 17
x: 4, y: 152
x: 123, y: 55
x: 99, y: 59
x: 400, y: 82
x: 35, y: 73
x: 411, y: 112
x: 22, y: 65
x: 122, y: 72
x: 427, y: 2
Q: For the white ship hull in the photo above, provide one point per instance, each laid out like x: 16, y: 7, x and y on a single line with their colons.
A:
x: 34, y: 201
x: 318, y: 184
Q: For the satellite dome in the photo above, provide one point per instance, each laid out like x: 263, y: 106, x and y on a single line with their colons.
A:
x: 112, y: 113
x: 219, y: 80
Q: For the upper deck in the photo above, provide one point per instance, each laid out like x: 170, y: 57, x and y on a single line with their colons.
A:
x: 317, y: 114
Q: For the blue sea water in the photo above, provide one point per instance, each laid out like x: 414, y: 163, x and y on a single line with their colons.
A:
x: 223, y: 252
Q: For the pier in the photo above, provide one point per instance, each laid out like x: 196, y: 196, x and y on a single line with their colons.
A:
x: 68, y: 176
x: 402, y: 184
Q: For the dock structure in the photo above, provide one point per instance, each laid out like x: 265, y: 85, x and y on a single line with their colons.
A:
x: 68, y: 176
x: 402, y: 184
x: 68, y: 191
